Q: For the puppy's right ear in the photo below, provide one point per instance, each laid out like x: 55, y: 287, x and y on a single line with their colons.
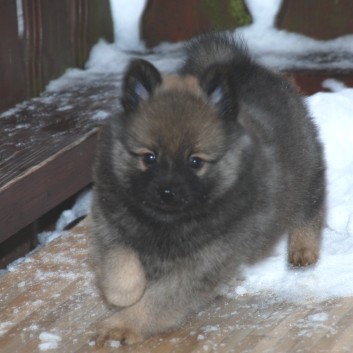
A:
x: 140, y: 81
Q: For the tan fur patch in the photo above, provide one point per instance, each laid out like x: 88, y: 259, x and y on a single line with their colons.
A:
x: 123, y: 279
x: 181, y: 83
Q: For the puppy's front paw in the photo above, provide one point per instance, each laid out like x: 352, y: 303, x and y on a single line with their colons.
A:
x: 114, y: 329
x: 122, y: 277
x: 125, y: 336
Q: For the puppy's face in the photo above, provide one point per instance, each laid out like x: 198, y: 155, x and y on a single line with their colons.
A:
x: 173, y: 153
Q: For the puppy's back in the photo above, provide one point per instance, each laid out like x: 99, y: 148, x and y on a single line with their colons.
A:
x: 212, y: 48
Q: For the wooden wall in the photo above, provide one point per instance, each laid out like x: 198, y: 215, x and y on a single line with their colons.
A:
x: 319, y: 19
x: 176, y: 20
x: 39, y: 39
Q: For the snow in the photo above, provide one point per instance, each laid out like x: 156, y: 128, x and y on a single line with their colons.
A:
x: 126, y: 26
x: 80, y: 209
x: 114, y: 344
x: 20, y: 18
x: 312, y: 323
x: 333, y: 85
x: 100, y: 115
x: 5, y: 326
x: 283, y: 50
x: 262, y: 12
x: 318, y: 317
x: 49, y: 341
x: 277, y: 49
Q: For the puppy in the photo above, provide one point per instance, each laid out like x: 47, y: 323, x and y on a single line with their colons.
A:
x: 201, y: 172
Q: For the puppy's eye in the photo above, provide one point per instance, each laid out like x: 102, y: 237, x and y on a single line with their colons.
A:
x: 196, y: 162
x: 149, y: 158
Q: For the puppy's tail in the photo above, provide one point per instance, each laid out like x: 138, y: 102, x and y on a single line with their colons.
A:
x: 212, y: 48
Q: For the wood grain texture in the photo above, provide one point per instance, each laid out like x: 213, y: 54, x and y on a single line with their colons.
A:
x: 53, y: 291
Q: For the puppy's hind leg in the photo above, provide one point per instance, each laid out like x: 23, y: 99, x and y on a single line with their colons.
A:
x: 305, y: 240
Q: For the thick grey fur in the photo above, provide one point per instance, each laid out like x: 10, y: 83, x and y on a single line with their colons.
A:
x: 268, y: 178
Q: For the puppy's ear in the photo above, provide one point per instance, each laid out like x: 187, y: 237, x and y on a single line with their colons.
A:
x: 140, y: 81
x: 218, y: 84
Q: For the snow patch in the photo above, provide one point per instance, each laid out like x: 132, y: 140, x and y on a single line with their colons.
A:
x: 315, y: 322
x: 100, y: 115
x: 80, y: 209
x: 333, y: 85
x: 114, y: 344
x: 126, y: 22
x: 49, y: 341
x: 319, y: 317
x: 5, y: 326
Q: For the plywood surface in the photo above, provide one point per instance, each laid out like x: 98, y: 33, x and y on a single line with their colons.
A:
x: 49, y: 303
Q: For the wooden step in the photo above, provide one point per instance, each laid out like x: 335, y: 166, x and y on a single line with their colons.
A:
x: 52, y: 292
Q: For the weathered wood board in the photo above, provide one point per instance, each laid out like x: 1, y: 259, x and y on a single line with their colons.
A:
x: 47, y: 148
x: 49, y: 302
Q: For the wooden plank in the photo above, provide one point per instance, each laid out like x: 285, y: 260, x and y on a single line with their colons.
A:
x: 47, y: 184
x: 53, y: 291
x: 48, y: 147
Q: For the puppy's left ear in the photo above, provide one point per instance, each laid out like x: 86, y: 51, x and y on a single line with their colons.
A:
x: 218, y: 84
x: 140, y: 81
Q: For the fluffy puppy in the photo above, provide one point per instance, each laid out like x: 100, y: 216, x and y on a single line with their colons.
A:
x: 201, y: 172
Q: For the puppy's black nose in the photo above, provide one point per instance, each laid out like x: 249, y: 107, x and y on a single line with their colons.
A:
x: 167, y: 195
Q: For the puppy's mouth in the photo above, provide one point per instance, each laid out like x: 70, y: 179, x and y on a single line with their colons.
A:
x: 167, y: 203
x: 168, y: 208
x: 165, y: 213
